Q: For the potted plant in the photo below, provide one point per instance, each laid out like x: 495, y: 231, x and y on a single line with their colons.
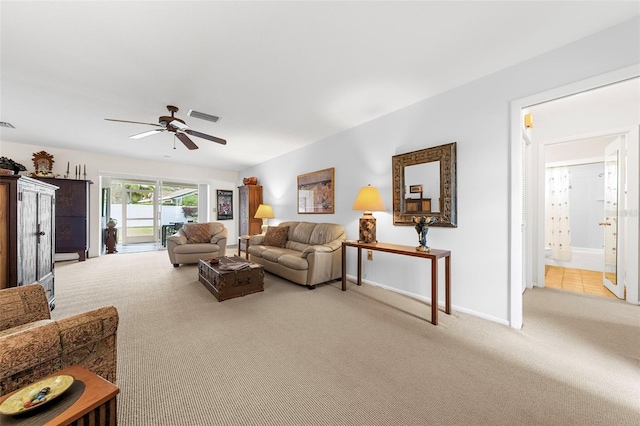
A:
x: 9, y: 164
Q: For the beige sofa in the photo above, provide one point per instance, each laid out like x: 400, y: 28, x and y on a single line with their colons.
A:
x: 309, y: 255
x: 33, y: 346
x: 196, y: 241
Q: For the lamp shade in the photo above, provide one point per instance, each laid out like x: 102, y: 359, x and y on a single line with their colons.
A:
x: 368, y: 200
x: 264, y: 212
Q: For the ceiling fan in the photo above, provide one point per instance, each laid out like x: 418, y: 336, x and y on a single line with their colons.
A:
x: 174, y: 125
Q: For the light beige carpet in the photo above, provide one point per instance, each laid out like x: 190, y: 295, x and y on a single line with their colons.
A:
x: 290, y: 356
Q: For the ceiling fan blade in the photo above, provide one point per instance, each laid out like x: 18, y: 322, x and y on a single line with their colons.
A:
x: 207, y: 137
x: 186, y: 141
x: 134, y: 122
x: 147, y: 133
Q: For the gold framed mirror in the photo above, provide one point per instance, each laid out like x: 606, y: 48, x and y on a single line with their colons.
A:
x: 424, y: 184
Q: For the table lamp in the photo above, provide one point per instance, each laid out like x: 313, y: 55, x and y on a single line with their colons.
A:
x: 368, y: 199
x: 264, y: 212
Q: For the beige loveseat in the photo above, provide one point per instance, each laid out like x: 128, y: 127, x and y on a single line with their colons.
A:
x: 196, y: 241
x: 307, y: 253
x: 33, y: 346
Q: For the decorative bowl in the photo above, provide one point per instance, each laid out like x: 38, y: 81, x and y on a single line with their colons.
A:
x: 32, y: 396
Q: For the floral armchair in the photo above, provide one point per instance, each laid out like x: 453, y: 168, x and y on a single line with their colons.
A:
x: 32, y: 345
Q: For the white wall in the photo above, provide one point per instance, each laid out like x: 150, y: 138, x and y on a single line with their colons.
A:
x: 476, y: 116
x: 127, y: 167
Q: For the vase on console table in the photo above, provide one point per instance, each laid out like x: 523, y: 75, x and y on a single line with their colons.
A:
x: 422, y: 228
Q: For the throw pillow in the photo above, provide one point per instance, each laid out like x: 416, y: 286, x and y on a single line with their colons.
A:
x: 197, y: 232
x: 276, y: 236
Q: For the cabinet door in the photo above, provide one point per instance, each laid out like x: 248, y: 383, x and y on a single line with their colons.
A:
x: 5, y: 230
x: 255, y: 199
x: 45, y: 234
x: 28, y: 241
x: 71, y: 233
x: 244, y: 210
x: 71, y: 197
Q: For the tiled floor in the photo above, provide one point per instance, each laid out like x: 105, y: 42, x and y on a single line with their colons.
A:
x: 579, y: 280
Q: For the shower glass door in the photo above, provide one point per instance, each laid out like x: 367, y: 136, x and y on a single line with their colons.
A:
x: 613, y: 174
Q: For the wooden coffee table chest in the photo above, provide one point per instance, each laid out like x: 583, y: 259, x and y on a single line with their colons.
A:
x: 226, y: 283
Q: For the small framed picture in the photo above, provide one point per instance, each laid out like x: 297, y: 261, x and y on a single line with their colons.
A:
x: 415, y: 189
x: 225, y: 204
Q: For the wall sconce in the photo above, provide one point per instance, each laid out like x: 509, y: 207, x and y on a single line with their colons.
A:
x: 369, y: 200
x: 528, y: 121
x: 264, y: 212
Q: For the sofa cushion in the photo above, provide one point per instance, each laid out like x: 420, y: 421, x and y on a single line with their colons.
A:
x: 23, y: 327
x: 196, y: 248
x: 197, y: 232
x: 302, y: 233
x: 276, y: 236
x: 293, y: 261
x: 292, y: 227
x: 273, y: 253
x: 294, y: 245
x: 324, y: 233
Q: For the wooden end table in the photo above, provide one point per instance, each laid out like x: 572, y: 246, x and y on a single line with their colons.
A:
x: 244, y: 238
x: 96, y: 405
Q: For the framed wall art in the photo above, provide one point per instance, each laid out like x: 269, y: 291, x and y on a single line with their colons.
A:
x: 316, y: 192
x: 414, y: 189
x: 225, y: 204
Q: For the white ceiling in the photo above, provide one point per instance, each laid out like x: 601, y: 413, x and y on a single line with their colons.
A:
x: 279, y: 74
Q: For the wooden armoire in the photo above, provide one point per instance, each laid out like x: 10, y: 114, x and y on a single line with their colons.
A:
x: 250, y: 199
x: 72, y: 216
x: 27, y: 233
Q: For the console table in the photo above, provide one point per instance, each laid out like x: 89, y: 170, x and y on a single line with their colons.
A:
x: 433, y: 255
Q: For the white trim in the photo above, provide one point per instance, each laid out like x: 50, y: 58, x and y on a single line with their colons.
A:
x: 568, y: 163
x: 353, y: 279
x: 515, y: 190
x: 589, y: 135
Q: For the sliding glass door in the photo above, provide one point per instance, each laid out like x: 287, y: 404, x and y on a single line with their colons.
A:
x: 147, y: 211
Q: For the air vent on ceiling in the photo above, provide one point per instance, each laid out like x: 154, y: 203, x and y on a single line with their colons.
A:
x: 202, y: 116
x: 5, y: 124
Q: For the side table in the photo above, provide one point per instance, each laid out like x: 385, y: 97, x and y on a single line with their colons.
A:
x: 96, y: 405
x: 244, y: 238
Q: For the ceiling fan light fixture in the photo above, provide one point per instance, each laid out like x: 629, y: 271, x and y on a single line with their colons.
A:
x: 178, y: 125
x: 203, y: 116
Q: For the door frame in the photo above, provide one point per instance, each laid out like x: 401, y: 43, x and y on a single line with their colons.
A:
x: 204, y: 196
x: 516, y: 225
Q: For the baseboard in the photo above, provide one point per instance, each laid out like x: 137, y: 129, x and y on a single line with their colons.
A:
x: 428, y: 300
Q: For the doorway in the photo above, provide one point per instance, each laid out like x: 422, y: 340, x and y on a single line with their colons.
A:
x: 147, y: 211
x: 527, y: 236
x: 578, y: 248
x: 582, y: 192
